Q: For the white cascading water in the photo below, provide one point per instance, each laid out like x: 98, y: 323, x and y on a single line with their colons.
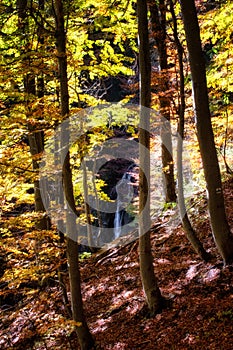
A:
x: 124, y: 196
x: 117, y: 221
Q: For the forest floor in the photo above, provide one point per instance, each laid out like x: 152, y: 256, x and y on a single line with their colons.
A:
x: 199, y: 314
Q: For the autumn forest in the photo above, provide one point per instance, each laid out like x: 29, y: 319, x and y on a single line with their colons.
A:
x: 116, y: 162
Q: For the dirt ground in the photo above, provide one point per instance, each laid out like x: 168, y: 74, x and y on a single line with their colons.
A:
x: 198, y: 314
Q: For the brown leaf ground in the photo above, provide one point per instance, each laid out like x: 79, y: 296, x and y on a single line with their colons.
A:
x: 199, y: 314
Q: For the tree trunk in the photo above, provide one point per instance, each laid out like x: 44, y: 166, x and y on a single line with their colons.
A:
x: 149, y: 281
x: 85, y: 338
x: 36, y: 144
x: 90, y: 241
x: 220, y: 227
x: 189, y: 230
x: 35, y: 137
x: 158, y: 25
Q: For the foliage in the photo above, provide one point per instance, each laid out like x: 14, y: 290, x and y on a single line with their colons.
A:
x: 216, y: 30
x: 101, y: 43
x: 35, y: 313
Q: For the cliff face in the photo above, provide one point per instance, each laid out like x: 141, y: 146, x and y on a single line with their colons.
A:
x: 112, y: 172
x: 120, y: 176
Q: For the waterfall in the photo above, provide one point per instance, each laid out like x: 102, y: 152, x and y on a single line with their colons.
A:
x: 117, y: 221
x: 125, y: 194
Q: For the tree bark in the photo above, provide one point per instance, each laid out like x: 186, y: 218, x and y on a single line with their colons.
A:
x: 35, y: 137
x: 149, y: 281
x: 220, y: 228
x: 85, y: 338
x: 158, y: 26
x: 90, y: 240
x: 187, y: 226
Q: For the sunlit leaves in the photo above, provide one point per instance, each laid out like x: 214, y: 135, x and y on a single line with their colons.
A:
x: 216, y: 28
x: 104, y: 33
x: 29, y: 256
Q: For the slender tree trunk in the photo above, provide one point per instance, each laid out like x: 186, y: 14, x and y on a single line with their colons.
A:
x: 189, y: 231
x: 36, y: 144
x: 44, y: 222
x: 87, y: 206
x: 85, y: 338
x: 158, y: 25
x: 35, y: 136
x: 99, y: 216
x: 220, y: 228
x: 149, y: 281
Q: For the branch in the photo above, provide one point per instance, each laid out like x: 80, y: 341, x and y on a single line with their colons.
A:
x: 18, y: 167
